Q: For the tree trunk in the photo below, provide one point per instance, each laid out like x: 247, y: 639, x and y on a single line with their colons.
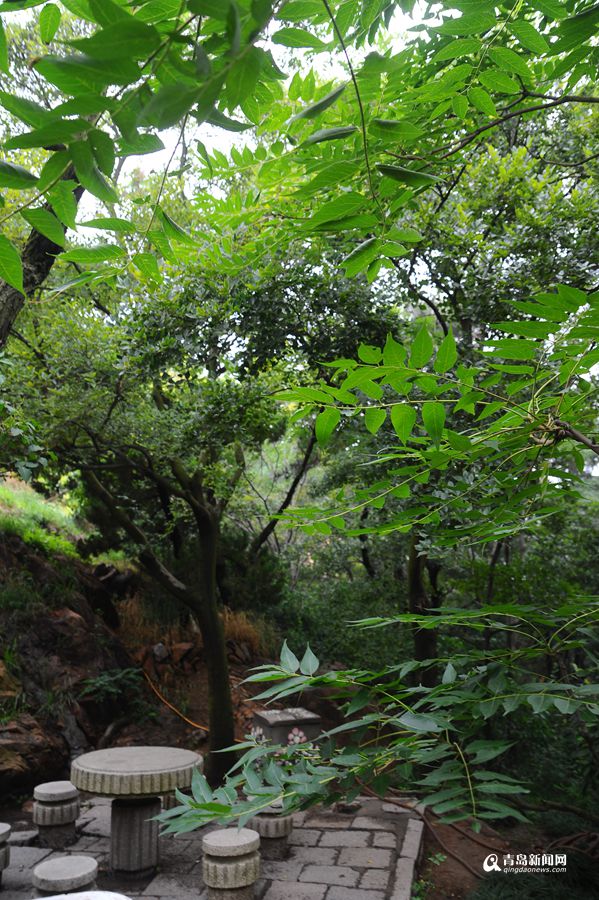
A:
x: 425, y: 639
x: 220, y: 722
x: 37, y: 258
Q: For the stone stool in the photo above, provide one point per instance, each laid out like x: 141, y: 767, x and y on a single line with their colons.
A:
x: 4, y: 848
x: 55, y: 811
x: 231, y: 863
x: 65, y: 874
x: 274, y: 829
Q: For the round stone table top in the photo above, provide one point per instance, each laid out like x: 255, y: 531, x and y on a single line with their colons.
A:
x: 64, y: 873
x: 231, y: 842
x: 55, y: 791
x: 134, y: 771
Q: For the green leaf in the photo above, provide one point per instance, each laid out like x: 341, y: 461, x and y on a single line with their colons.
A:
x: 449, y: 675
x: 128, y: 39
x: 96, y: 184
x: 46, y: 223
x: 289, y: 661
x: 121, y: 226
x: 297, y: 37
x: 310, y: 112
x: 370, y: 355
x: 395, y: 130
x: 4, y: 65
x: 407, y: 176
x: 173, y: 231
x: 361, y: 257
x: 394, y: 354
x: 14, y: 176
x: 102, y: 146
x: 325, y: 424
x: 403, y: 419
x: 242, y: 77
x: 26, y: 110
x: 49, y: 22
x: 433, y: 417
x: 418, y: 722
x: 421, y: 349
x: 339, y: 208
x: 168, y: 105
x: 529, y: 37
x: 101, y: 253
x: 148, y: 266
x: 447, y: 354
x: 482, y: 101
x: 513, y: 348
x: 457, y: 48
x: 460, y: 105
x: 374, y: 418
x: 309, y: 664
x: 330, y: 134
x: 509, y: 60
x: 11, y: 269
x: 76, y: 75
x: 63, y: 202
x: 497, y: 80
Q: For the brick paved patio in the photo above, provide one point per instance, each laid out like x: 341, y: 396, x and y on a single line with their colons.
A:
x: 366, y: 854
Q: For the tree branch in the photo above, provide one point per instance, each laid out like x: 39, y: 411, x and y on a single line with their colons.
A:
x: 268, y: 529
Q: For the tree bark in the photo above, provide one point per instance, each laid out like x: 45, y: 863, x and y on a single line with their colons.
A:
x: 220, y: 717
x: 425, y: 639
x: 37, y: 259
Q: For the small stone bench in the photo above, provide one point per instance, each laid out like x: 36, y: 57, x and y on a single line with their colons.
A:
x: 55, y: 811
x: 65, y: 873
x: 274, y: 828
x: 4, y: 847
x: 231, y: 863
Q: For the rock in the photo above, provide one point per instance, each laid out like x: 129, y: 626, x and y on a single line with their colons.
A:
x: 160, y: 652
x: 9, y: 686
x: 29, y: 754
x: 181, y: 651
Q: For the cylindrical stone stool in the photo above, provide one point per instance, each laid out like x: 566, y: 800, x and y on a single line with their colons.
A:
x: 231, y: 863
x: 65, y: 875
x: 55, y: 811
x: 4, y: 847
x: 134, y: 836
x: 274, y: 829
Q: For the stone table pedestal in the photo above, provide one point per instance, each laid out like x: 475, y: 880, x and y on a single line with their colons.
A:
x: 136, y: 777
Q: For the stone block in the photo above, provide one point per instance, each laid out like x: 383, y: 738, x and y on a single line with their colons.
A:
x: 23, y: 838
x: 384, y: 839
x: 412, y: 841
x: 344, y: 839
x: 320, y: 856
x: 404, y: 876
x: 304, y: 837
x: 365, y: 858
x: 283, y: 890
x: 27, y: 857
x: 341, y: 875
x: 337, y: 893
x: 64, y: 874
x: 375, y: 879
x: 373, y: 824
x: 293, y: 725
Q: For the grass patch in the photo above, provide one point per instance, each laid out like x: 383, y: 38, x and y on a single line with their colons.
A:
x: 46, y: 524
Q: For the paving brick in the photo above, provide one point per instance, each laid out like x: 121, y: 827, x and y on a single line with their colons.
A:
x: 23, y: 838
x: 280, y: 870
x: 344, y: 839
x: 365, y: 858
x: 328, y: 820
x: 413, y: 839
x: 384, y: 839
x: 404, y: 876
x: 336, y: 893
x: 282, y: 890
x: 373, y: 824
x: 375, y: 879
x: 304, y: 837
x: 26, y: 857
x: 322, y: 856
x: 395, y: 809
x: 299, y: 818
x: 341, y: 875
x: 179, y: 887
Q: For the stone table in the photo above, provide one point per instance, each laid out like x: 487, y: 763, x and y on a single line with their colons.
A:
x: 135, y: 777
